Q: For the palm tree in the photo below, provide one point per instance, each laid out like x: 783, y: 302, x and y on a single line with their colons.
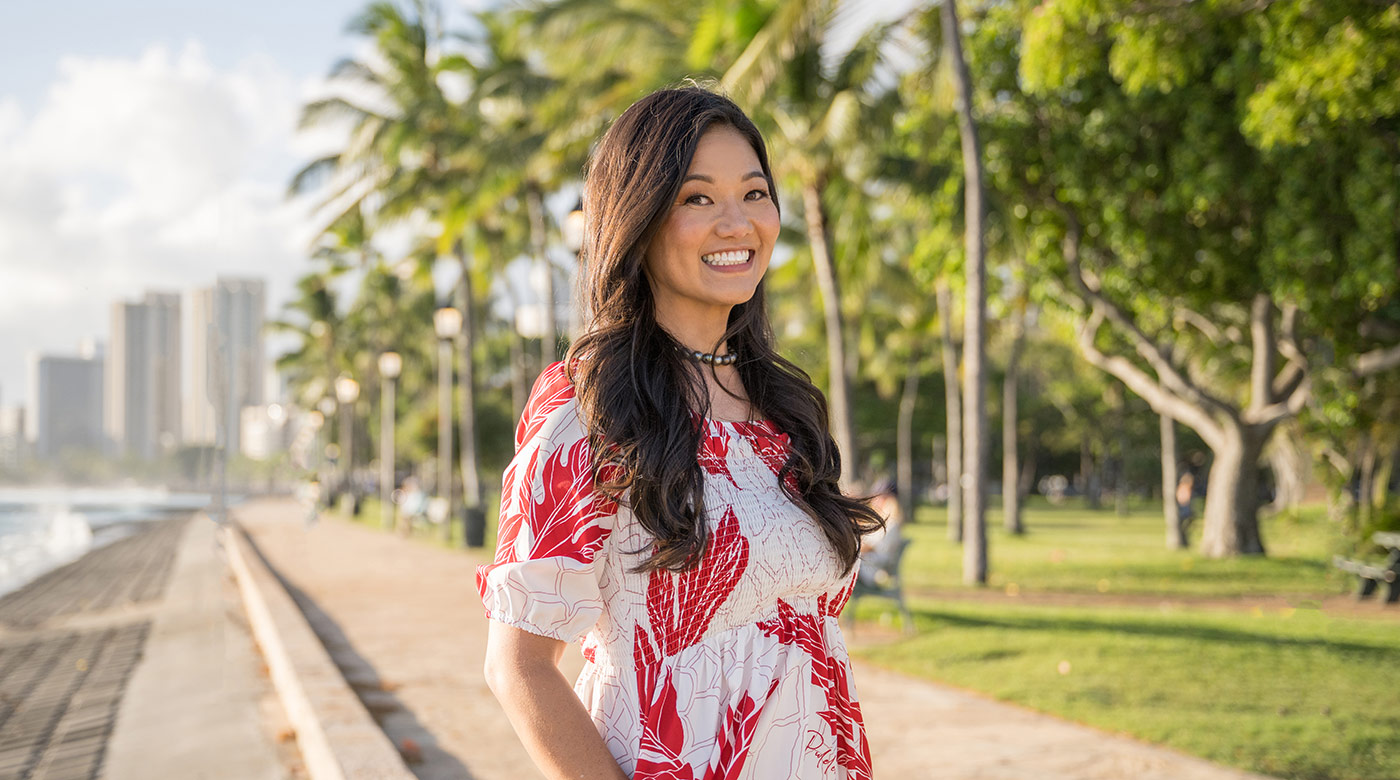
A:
x: 410, y: 152
x: 313, y: 320
x: 974, y: 313
x: 820, y: 119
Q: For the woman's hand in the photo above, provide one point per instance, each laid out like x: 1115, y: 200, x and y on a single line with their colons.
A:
x: 522, y: 670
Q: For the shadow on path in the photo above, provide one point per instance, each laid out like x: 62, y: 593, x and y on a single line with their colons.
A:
x: 376, y: 694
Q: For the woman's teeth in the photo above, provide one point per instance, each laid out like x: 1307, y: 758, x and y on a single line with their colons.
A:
x: 726, y: 258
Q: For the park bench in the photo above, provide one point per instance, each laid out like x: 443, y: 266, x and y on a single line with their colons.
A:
x: 1372, y: 575
x: 887, y: 584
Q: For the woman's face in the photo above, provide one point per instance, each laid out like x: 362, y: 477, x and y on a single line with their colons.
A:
x: 715, y: 244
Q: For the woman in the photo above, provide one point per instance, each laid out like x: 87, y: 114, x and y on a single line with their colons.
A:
x: 673, y: 502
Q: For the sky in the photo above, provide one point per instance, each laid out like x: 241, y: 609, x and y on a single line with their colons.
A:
x: 147, y: 145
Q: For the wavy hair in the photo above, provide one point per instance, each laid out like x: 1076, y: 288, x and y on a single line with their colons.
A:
x: 639, y: 394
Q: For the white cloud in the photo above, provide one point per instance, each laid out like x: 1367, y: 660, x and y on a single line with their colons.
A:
x: 154, y: 173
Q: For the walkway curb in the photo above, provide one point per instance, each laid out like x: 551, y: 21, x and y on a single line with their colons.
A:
x: 337, y: 737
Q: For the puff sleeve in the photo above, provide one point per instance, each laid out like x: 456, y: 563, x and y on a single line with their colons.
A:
x: 553, y: 522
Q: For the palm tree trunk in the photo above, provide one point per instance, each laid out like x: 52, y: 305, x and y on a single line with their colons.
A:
x: 974, y: 315
x: 1010, y: 467
x: 953, y: 400
x: 904, y: 437
x: 471, y: 478
x: 519, y: 390
x: 838, y: 395
x: 549, y: 343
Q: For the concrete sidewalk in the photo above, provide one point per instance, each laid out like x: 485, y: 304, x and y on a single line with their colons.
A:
x: 134, y: 663
x: 403, y: 621
x: 197, y: 706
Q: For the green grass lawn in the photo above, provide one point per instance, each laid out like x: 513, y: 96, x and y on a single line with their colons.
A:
x: 1068, y: 549
x: 1289, y: 693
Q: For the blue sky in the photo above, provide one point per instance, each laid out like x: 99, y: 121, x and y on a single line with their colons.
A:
x: 304, y: 36
x: 146, y: 144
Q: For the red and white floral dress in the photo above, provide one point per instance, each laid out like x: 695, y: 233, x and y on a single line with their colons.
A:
x: 733, y: 669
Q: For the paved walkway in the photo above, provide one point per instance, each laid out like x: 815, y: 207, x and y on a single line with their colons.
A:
x: 403, y: 621
x: 132, y: 663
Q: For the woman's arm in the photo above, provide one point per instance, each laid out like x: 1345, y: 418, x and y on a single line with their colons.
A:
x: 522, y: 669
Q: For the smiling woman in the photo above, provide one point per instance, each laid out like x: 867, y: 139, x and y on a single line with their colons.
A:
x: 714, y: 246
x: 673, y: 502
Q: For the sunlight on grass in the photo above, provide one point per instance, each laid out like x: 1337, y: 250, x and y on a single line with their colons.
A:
x: 1289, y: 693
x: 1068, y: 549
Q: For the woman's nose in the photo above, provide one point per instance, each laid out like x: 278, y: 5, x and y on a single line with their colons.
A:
x: 734, y: 221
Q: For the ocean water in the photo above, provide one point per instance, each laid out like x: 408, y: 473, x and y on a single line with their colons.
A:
x: 44, y: 528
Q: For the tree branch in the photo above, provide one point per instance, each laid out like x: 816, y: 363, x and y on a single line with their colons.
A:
x: 1181, y: 314
x: 1296, y: 371
x: 1261, y: 364
x: 1161, y: 399
x: 1376, y: 361
x: 1167, y: 374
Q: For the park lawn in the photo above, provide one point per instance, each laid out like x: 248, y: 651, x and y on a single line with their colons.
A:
x: 1068, y: 549
x: 1291, y: 693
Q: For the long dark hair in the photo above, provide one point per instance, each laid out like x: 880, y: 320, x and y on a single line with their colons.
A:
x: 638, y: 393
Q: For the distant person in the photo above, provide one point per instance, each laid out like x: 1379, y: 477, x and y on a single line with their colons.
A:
x: 309, y: 495
x: 879, y: 549
x: 413, y: 507
x: 674, y: 501
x: 1185, y: 492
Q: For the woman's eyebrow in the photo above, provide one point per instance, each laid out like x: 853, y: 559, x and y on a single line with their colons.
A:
x: 709, y: 180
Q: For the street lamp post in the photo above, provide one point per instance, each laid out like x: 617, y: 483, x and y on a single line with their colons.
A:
x: 326, y: 407
x: 390, y: 364
x: 573, y: 237
x: 347, y: 391
x: 447, y: 321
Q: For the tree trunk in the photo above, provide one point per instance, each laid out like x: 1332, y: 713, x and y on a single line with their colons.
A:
x: 904, y: 437
x: 953, y: 398
x: 1010, y: 470
x: 1290, y: 462
x: 974, y: 315
x: 1026, y: 481
x: 1232, y: 493
x: 1176, y: 539
x: 838, y: 394
x: 1120, y: 471
x: 1088, y: 473
x: 1366, y: 480
x: 471, y: 478
x: 1385, y: 473
x: 519, y: 390
x: 539, y: 239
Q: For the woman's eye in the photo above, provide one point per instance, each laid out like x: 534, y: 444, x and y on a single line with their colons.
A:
x: 698, y: 200
x: 757, y: 194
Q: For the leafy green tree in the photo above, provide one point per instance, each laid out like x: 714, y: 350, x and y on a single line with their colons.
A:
x: 1139, y: 155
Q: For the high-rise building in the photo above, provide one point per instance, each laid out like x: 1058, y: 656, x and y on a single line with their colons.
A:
x: 200, y: 416
x: 143, y: 376
x: 227, y: 358
x: 12, y: 440
x: 66, y: 399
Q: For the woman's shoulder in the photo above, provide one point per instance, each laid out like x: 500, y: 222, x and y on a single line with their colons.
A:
x: 552, y: 406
